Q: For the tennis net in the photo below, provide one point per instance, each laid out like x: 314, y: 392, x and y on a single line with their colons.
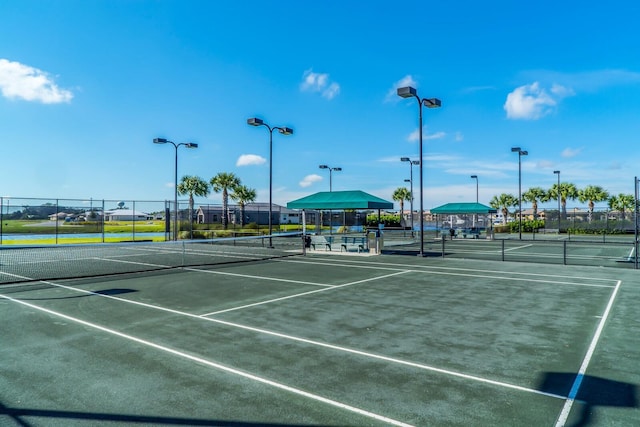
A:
x: 50, y: 262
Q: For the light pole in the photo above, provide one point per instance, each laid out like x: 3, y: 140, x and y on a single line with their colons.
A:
x: 559, y: 216
x: 520, y: 154
x: 476, y: 178
x: 411, y: 163
x: 409, y: 92
x: 175, y: 179
x: 254, y: 121
x: 330, y: 174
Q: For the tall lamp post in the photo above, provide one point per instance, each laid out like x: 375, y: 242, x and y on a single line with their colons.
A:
x: 411, y: 163
x: 175, y: 179
x: 476, y: 178
x: 330, y: 174
x: 410, y: 92
x: 254, y: 121
x: 520, y: 154
x: 559, y: 215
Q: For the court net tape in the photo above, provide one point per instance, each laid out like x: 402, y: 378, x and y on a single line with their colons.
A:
x: 50, y: 262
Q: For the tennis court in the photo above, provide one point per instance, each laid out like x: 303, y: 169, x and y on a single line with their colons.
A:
x: 617, y: 251
x: 316, y: 340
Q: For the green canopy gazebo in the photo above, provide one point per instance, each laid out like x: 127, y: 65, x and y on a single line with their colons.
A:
x: 463, y: 208
x: 339, y: 200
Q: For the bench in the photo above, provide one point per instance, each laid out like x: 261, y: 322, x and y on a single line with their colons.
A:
x: 358, y: 243
x: 472, y: 232
x: 321, y: 241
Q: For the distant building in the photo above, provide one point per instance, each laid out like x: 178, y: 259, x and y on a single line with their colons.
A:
x: 254, y: 213
x: 126, y: 215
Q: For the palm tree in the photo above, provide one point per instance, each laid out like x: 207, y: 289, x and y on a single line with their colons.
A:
x: 593, y: 194
x: 567, y: 191
x: 243, y: 195
x: 622, y: 203
x: 223, y: 182
x: 400, y: 195
x: 533, y: 195
x: 193, y: 186
x: 503, y: 202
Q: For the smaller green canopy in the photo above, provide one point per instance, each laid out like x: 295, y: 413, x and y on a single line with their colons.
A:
x: 338, y: 200
x: 463, y: 208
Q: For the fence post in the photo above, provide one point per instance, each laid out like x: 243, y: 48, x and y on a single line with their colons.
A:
x: 502, y: 249
x: 564, y: 252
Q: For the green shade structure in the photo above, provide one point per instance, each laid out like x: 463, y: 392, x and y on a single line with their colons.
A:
x: 463, y: 208
x: 337, y: 200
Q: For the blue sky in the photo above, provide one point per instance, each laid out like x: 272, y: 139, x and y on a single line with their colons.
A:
x: 85, y: 86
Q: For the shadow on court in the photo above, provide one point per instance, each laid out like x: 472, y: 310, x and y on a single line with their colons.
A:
x: 17, y: 415
x: 593, y: 392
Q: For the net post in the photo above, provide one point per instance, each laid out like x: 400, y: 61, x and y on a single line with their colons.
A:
x: 502, y: 251
x: 564, y: 252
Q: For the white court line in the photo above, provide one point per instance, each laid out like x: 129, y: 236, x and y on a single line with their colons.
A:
x: 249, y: 276
x: 518, y: 247
x: 312, y: 342
x: 564, y: 414
x: 302, y: 294
x: 504, y: 275
x: 432, y: 268
x: 218, y: 366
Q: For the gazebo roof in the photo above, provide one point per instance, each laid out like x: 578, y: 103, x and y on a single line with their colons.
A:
x: 463, y: 208
x: 338, y: 200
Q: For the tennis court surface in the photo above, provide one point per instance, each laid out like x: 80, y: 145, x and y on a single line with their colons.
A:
x: 316, y: 340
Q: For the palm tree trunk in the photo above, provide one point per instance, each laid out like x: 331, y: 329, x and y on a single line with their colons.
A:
x: 225, y: 202
x: 191, y: 215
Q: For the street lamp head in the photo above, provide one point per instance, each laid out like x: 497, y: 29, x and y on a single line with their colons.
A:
x: 432, y: 103
x: 254, y: 121
x: 160, y: 140
x: 285, y: 131
x: 558, y: 172
x: 405, y: 159
x: 415, y: 162
x: 406, y: 92
x: 324, y: 167
x: 515, y: 149
x: 474, y: 176
x: 191, y: 145
x: 337, y: 169
x: 524, y: 153
x: 407, y: 180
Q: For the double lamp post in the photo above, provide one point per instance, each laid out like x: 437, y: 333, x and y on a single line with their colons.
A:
x: 410, y: 92
x: 175, y: 179
x: 254, y: 121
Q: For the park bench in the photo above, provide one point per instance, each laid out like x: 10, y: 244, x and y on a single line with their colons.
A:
x: 471, y: 232
x: 321, y: 241
x: 357, y: 243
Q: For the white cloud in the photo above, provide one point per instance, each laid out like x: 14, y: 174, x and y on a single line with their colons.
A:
x: 250, y: 160
x: 19, y: 81
x: 392, y: 94
x: 309, y: 180
x: 437, y: 135
x: 415, y: 135
x: 528, y: 102
x: 571, y: 152
x: 319, y: 82
x: 459, y: 137
x: 531, y: 102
